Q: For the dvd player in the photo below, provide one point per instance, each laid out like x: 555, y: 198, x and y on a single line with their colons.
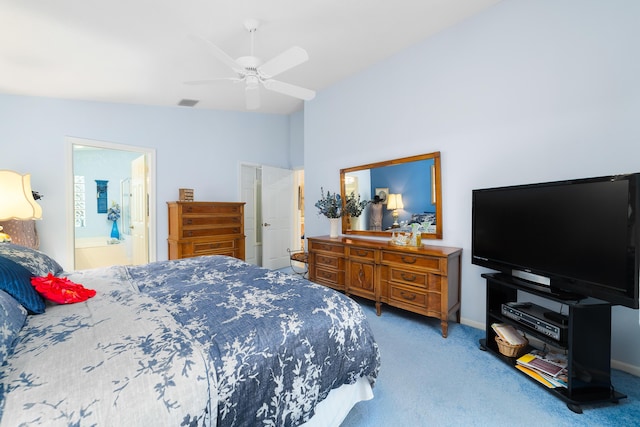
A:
x: 554, y: 325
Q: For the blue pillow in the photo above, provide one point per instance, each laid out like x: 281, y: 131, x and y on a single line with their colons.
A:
x: 38, y: 263
x: 12, y: 317
x: 16, y: 281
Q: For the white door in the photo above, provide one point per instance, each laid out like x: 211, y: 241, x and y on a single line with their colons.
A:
x: 277, y: 216
x: 139, y: 213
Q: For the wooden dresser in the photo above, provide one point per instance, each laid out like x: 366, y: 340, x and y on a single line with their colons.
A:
x: 423, y: 280
x: 206, y: 228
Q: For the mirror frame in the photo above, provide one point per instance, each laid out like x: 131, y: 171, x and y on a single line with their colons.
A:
x: 436, y: 188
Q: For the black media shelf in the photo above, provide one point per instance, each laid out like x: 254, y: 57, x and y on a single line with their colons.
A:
x: 588, y: 344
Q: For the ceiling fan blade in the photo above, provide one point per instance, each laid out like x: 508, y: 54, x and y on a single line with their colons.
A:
x: 289, y: 89
x: 210, y: 81
x: 252, y: 97
x: 222, y: 55
x: 284, y: 61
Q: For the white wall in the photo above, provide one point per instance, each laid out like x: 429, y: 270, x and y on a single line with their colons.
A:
x: 528, y: 91
x: 296, y: 138
x: 199, y: 149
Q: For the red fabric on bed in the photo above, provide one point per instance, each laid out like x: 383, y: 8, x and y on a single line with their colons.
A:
x: 61, y: 290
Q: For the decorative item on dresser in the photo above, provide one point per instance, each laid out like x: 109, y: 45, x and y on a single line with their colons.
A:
x: 206, y: 228
x: 423, y: 280
x: 331, y: 207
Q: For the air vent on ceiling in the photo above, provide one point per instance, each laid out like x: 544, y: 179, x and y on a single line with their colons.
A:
x: 188, y: 102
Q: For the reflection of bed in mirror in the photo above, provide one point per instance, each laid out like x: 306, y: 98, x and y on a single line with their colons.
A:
x: 412, y: 181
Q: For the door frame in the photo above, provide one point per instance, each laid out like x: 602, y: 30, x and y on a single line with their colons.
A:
x: 258, y: 201
x: 150, y: 154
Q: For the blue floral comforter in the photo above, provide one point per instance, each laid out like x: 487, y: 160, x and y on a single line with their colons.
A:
x: 199, y: 341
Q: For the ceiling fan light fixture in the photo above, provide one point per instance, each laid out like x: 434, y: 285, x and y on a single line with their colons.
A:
x: 253, y: 72
x: 252, y: 97
x: 252, y: 82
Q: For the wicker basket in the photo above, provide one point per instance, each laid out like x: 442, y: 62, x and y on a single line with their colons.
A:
x: 510, y: 350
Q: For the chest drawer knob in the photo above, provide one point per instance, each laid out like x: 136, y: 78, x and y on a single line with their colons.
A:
x: 408, y: 259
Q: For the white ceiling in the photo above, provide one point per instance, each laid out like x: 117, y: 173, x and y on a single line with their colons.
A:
x: 142, y: 51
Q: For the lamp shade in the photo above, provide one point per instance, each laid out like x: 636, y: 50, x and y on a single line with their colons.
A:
x: 16, y: 198
x: 395, y: 202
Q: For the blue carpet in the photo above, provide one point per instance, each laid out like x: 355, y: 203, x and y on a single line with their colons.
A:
x: 426, y: 380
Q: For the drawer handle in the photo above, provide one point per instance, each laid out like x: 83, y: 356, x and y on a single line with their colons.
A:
x: 408, y: 277
x: 215, y: 245
x: 326, y: 275
x: 189, y: 222
x: 408, y: 296
x: 188, y: 233
x: 361, y: 253
x: 409, y: 260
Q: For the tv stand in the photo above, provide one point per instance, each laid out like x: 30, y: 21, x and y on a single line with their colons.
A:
x: 588, y: 346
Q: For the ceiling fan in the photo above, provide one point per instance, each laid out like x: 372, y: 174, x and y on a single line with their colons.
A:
x: 253, y: 72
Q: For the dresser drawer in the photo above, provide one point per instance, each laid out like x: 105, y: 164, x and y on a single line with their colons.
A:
x: 413, y: 297
x: 331, y: 278
x: 430, y: 282
x: 227, y: 252
x: 206, y: 248
x: 330, y: 261
x: 199, y: 221
x: 416, y: 261
x: 209, y: 231
x: 326, y: 247
x: 362, y: 253
x: 207, y: 208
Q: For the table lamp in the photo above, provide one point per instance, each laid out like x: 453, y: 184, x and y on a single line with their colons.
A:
x: 394, y: 202
x: 16, y: 199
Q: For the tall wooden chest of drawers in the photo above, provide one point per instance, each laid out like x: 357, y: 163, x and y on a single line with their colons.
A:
x: 424, y: 280
x: 206, y: 228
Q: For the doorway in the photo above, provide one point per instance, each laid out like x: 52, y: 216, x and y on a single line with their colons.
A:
x: 271, y: 217
x: 111, y: 213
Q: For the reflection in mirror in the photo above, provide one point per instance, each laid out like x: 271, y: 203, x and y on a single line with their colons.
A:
x: 401, y: 192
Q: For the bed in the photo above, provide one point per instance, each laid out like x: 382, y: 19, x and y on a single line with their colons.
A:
x: 206, y: 341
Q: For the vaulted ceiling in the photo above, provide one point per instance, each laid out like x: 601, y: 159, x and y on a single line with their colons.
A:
x: 143, y: 51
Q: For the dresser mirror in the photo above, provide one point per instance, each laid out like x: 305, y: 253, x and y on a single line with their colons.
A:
x: 402, y: 193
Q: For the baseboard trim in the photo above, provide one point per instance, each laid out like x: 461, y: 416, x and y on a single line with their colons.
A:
x: 631, y: 369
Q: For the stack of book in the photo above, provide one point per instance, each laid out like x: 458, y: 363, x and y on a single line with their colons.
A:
x: 547, y: 368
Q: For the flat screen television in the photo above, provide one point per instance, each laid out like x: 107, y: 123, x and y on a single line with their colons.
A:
x: 580, y: 236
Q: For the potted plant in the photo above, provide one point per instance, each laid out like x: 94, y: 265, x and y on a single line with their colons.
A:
x: 330, y: 205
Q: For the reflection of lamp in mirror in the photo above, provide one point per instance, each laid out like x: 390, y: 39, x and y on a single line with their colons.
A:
x: 16, y: 198
x: 394, y: 202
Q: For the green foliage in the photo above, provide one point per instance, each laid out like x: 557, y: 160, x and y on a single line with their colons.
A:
x: 354, y: 206
x: 329, y: 205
